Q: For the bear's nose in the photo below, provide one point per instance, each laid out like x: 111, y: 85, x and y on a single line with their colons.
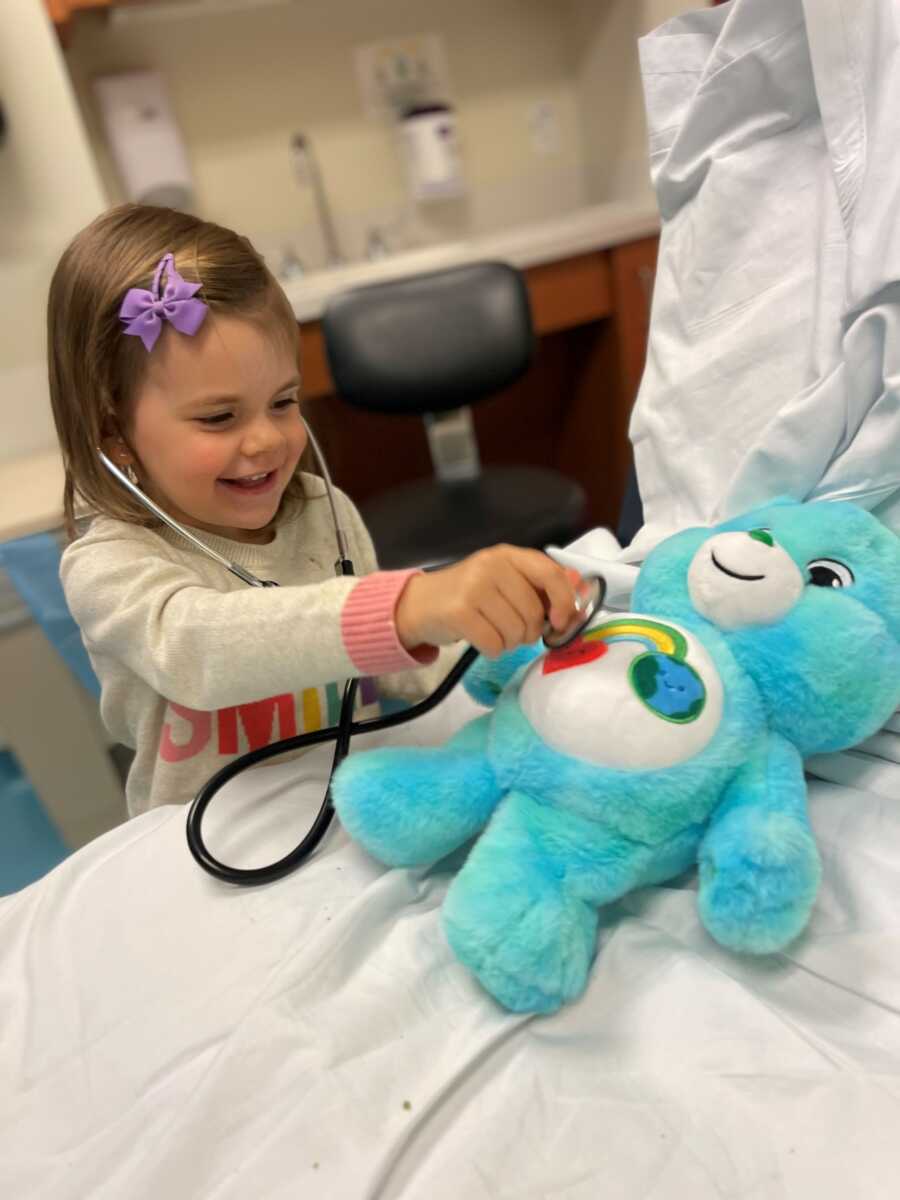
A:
x: 762, y: 535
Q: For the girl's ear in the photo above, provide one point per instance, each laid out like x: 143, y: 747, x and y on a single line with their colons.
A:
x: 117, y: 449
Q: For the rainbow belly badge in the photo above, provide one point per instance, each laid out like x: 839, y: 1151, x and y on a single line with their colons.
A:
x: 668, y: 685
x: 630, y: 692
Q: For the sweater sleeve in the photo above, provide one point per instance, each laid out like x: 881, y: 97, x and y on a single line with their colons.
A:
x: 358, y: 618
x: 428, y: 666
x: 208, y: 649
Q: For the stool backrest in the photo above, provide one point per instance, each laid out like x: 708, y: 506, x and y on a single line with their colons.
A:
x: 430, y: 343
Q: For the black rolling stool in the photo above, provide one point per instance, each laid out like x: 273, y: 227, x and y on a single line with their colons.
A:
x: 434, y: 345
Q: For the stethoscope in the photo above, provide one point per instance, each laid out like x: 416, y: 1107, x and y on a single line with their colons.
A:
x: 589, y: 599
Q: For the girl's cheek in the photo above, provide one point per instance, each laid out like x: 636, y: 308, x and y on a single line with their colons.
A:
x: 204, y: 457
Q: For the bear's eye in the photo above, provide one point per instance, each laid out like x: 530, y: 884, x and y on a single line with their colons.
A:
x: 826, y: 572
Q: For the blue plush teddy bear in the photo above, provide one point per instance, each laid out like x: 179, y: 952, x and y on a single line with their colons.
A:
x: 666, y: 736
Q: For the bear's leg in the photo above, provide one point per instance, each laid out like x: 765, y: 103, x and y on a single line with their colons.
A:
x: 522, y: 913
x: 410, y: 806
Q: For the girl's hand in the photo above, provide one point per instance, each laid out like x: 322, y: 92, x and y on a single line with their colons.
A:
x: 496, y: 599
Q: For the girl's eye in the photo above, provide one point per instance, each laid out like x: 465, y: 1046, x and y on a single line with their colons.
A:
x: 281, y: 405
x: 828, y: 572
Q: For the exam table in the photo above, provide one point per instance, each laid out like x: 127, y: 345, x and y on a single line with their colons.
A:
x: 166, y: 1035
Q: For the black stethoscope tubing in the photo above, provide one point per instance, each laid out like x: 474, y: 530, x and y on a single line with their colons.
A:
x: 340, y: 734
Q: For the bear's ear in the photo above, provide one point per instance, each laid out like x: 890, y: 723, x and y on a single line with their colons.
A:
x: 746, y: 519
x: 776, y: 502
x: 781, y: 502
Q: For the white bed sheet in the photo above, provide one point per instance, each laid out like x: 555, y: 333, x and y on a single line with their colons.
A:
x: 162, y: 1035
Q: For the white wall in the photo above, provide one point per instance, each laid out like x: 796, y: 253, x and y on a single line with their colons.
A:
x: 603, y: 36
x: 242, y: 82
x: 49, y: 188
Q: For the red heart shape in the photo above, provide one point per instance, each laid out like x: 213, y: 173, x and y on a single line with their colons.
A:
x: 573, y: 655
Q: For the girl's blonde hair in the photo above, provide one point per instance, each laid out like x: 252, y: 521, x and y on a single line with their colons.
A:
x: 94, y: 369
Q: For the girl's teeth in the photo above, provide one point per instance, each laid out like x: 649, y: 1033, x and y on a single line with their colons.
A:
x: 250, y: 481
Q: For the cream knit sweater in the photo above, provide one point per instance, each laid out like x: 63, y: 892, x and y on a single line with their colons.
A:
x: 196, y: 667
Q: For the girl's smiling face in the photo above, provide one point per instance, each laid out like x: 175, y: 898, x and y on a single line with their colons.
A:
x: 215, y: 426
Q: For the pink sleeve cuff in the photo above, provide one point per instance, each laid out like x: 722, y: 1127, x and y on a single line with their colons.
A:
x: 369, y: 629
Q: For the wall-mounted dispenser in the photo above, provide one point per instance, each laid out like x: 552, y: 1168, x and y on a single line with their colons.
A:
x: 404, y: 81
x: 144, y: 139
x: 432, y: 152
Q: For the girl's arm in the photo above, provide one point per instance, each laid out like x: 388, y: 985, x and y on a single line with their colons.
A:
x: 207, y: 649
x: 495, y: 599
x: 160, y: 616
x: 419, y: 679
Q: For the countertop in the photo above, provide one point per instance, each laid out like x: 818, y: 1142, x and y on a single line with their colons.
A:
x: 594, y: 228
x: 31, y: 491
x: 31, y: 487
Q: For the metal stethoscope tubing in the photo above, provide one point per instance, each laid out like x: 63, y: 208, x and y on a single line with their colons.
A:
x: 340, y: 734
x: 343, y: 566
x: 346, y: 727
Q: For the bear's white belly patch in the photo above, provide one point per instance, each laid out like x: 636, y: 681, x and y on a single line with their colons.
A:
x: 628, y: 693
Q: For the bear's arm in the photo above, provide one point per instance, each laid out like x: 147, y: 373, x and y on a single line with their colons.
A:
x: 759, y: 866
x: 487, y: 677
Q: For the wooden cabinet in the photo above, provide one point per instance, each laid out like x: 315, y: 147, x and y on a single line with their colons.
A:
x: 62, y: 11
x: 605, y: 369
x: 570, y: 411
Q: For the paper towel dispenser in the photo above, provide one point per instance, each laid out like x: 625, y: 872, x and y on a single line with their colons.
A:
x: 144, y: 139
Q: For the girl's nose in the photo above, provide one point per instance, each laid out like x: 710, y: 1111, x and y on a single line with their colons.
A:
x: 260, y: 438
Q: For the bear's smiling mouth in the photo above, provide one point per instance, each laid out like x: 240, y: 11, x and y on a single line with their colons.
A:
x: 733, y: 574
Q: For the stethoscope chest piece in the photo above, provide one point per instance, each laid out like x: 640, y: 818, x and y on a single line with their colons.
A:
x: 589, y: 597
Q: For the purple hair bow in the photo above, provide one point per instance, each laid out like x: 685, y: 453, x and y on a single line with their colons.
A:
x: 144, y: 312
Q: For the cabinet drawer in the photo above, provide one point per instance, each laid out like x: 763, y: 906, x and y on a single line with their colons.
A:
x: 571, y: 292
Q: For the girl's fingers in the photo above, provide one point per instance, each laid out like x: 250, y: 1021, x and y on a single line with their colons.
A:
x: 553, y: 580
x: 504, y: 618
x: 480, y: 633
x: 528, y: 603
x: 500, y: 597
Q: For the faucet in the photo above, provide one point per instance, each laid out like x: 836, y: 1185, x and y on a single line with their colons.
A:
x: 307, y: 171
x: 376, y: 244
x: 290, y: 265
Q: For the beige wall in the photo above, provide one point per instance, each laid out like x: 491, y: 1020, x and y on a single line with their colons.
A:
x: 242, y: 82
x: 603, y: 37
x: 49, y: 188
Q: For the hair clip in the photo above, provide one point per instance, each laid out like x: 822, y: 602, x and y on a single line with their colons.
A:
x: 144, y: 311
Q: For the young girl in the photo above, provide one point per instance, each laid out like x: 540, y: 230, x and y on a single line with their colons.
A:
x: 173, y: 349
